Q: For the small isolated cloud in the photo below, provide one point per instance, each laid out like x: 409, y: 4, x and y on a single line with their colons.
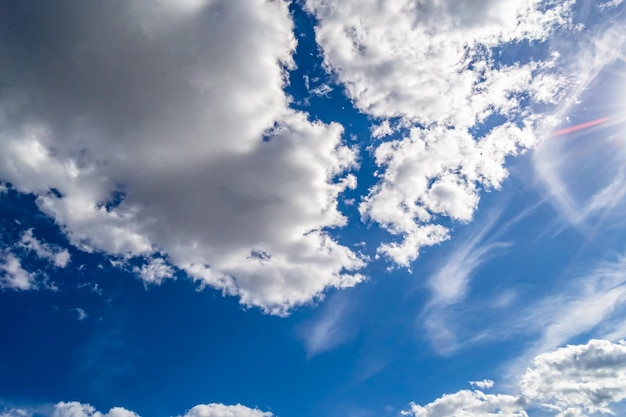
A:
x: 12, y: 275
x: 58, y: 256
x: 81, y: 314
x: 484, y: 384
x: 576, y: 380
x: 155, y: 271
x: 321, y: 90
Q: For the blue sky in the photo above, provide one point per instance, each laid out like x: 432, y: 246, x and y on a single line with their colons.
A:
x: 355, y: 208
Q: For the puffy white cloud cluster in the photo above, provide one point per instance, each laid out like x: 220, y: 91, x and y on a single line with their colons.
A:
x: 435, y: 172
x: 76, y: 409
x: 431, y: 64
x: 470, y: 404
x: 163, y: 127
x: 575, y: 380
x: 221, y: 410
x: 578, y: 379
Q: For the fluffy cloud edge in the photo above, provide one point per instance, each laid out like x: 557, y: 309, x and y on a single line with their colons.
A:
x: 77, y: 409
x: 124, y: 167
x: 574, y: 380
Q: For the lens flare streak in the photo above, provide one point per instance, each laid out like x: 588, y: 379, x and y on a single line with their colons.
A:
x: 580, y: 126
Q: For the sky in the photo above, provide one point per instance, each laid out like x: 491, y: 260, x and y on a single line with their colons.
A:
x: 312, y: 208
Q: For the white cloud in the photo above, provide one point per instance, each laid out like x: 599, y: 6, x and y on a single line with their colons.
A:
x: 470, y: 404
x: 435, y: 66
x: 155, y: 271
x: 76, y: 409
x: 220, y: 410
x: 592, y: 303
x: 15, y: 412
x: 482, y: 384
x: 558, y: 163
x: 449, y: 283
x: 328, y: 330
x: 81, y: 314
x: 58, y: 256
x: 410, y: 59
x: 172, y: 134
x: 580, y: 379
x: 322, y: 90
x: 13, y: 275
x: 575, y: 380
x: 610, y: 4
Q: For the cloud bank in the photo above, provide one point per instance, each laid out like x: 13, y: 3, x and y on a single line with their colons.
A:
x: 575, y: 380
x: 76, y: 409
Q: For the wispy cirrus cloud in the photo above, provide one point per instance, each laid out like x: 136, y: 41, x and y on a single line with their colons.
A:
x: 450, y: 282
x: 329, y: 329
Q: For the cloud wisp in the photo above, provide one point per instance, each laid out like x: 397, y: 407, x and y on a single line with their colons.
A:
x: 449, y: 284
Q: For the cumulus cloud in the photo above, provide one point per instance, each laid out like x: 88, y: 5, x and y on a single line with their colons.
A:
x: 575, y: 380
x: 76, y: 409
x: 470, y: 404
x: 436, y: 67
x: 410, y: 59
x: 221, y: 410
x: 164, y: 128
x: 578, y: 379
